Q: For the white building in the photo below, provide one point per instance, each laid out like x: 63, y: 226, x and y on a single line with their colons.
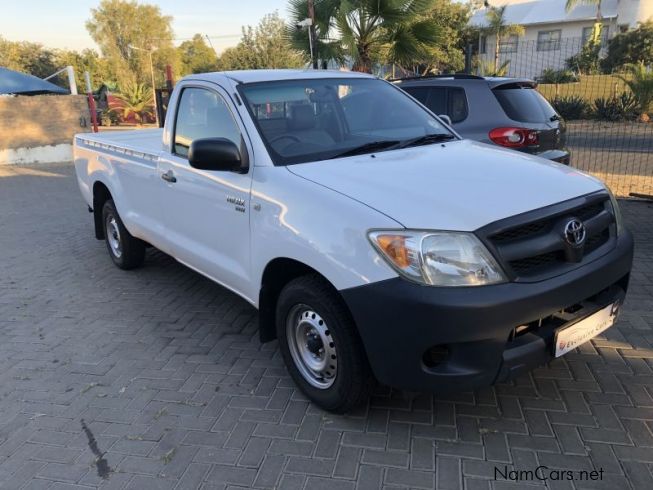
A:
x: 553, y: 34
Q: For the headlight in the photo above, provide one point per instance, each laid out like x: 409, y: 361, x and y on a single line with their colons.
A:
x: 618, y: 219
x: 438, y: 258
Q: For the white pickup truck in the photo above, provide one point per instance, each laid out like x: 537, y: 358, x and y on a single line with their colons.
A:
x: 374, y: 241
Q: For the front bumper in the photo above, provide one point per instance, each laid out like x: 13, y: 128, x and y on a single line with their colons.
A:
x: 473, y: 329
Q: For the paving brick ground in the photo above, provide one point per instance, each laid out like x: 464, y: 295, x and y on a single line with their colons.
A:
x: 155, y: 379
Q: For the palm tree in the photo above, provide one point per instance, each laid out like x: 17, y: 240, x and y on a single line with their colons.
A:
x: 365, y: 31
x: 640, y: 83
x: 590, y: 50
x: 135, y: 98
x: 572, y: 3
x: 498, y: 27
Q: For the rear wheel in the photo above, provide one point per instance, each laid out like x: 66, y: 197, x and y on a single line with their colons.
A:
x: 126, y: 251
x: 320, y: 345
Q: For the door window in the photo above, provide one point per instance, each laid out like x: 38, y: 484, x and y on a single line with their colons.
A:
x: 437, y: 100
x: 203, y: 113
x: 442, y: 100
x: 457, y: 105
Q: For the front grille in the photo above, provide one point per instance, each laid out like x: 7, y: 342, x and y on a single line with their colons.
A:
x: 532, y: 249
x: 596, y: 241
x: 590, y: 211
x: 520, y: 232
x: 535, y: 263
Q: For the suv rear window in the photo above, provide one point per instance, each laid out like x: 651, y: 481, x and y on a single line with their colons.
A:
x: 442, y: 100
x: 524, y: 104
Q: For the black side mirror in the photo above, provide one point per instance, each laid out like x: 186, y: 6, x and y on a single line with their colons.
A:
x: 215, y: 154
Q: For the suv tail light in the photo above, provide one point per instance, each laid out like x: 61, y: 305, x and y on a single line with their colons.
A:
x: 514, y: 137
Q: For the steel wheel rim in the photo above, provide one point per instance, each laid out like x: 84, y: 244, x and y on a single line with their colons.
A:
x: 113, y: 236
x: 312, y: 347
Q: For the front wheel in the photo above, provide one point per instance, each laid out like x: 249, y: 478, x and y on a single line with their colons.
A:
x: 320, y: 345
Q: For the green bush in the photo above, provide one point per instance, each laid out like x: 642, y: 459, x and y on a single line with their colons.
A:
x: 616, y: 108
x: 641, y: 85
x: 571, y: 107
x: 630, y: 47
x: 587, y: 61
x: 549, y: 75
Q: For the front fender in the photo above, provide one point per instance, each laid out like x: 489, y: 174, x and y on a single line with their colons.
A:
x: 325, y: 230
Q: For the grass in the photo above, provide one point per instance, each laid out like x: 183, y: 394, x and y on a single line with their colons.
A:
x: 590, y: 87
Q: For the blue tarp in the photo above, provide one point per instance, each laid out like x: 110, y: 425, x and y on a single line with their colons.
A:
x: 14, y: 82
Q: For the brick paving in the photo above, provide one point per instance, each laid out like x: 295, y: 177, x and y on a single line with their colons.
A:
x: 155, y: 379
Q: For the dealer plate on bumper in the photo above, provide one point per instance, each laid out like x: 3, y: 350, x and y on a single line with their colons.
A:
x: 568, y: 338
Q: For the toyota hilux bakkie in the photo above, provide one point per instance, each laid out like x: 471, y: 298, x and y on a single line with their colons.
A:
x: 373, y: 240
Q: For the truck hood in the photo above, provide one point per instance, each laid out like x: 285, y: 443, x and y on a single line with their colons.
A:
x: 461, y: 186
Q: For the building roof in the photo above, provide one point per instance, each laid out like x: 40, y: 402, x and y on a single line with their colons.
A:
x: 253, y: 76
x: 528, y: 12
x: 17, y: 83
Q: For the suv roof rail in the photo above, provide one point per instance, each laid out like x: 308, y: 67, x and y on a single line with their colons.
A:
x: 456, y: 76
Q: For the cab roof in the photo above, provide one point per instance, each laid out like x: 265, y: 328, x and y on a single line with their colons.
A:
x: 254, y: 76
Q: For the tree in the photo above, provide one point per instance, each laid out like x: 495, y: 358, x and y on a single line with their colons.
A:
x: 587, y: 61
x: 86, y: 60
x: 196, y: 56
x: 28, y: 57
x: 263, y: 46
x: 116, y: 25
x: 368, y: 31
x: 630, y: 47
x: 448, y: 53
x: 500, y: 29
x: 42, y: 62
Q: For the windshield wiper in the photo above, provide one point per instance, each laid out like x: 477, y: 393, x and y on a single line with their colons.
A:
x: 367, y: 148
x: 427, y: 140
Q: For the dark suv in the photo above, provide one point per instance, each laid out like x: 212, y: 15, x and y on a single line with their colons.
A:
x: 509, y: 112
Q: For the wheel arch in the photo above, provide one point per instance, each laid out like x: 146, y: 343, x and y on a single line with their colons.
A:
x: 277, y: 273
x: 101, y: 194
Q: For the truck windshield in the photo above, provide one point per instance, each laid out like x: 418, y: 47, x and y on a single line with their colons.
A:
x: 319, y: 119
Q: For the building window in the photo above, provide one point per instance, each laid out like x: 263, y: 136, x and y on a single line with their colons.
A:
x: 587, y: 34
x: 509, y: 44
x: 482, y: 44
x: 549, y: 40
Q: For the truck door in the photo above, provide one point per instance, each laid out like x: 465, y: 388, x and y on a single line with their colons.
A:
x: 206, y: 213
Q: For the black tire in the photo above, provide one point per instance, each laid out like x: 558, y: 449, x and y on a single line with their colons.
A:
x: 131, y: 253
x: 353, y: 380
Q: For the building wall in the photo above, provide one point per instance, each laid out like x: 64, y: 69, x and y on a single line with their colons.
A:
x: 528, y: 62
x: 40, y: 128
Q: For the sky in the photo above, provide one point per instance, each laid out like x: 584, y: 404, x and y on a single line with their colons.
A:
x: 61, y: 23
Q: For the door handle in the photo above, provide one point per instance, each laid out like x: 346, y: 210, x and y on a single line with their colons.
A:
x: 169, y: 177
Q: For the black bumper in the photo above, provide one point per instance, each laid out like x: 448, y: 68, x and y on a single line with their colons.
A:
x: 474, y: 329
x: 560, y: 156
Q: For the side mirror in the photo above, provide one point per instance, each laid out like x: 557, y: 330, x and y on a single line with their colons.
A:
x: 215, y: 154
x: 445, y: 118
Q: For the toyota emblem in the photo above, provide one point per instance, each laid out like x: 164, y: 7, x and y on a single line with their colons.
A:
x: 575, y: 232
